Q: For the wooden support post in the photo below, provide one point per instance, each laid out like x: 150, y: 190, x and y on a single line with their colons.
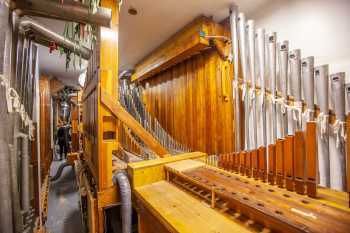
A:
x: 232, y: 162
x: 242, y: 161
x: 255, y: 164
x: 237, y: 161
x: 311, y: 159
x: 272, y: 164
x: 348, y: 155
x: 299, y: 162
x: 227, y: 162
x: 221, y: 161
x: 248, y: 164
x: 262, y: 163
x: 289, y: 162
x: 280, y: 162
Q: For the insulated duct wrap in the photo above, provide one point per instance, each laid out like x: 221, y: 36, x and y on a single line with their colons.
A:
x: 336, y: 139
x: 321, y: 80
x: 68, y: 11
x: 121, y: 179
x: 41, y: 32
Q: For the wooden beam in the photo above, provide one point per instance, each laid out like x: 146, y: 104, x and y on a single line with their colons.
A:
x: 119, y: 112
x: 185, y: 43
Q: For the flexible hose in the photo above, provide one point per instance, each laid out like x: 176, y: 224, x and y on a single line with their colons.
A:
x: 59, y: 171
x: 122, y: 180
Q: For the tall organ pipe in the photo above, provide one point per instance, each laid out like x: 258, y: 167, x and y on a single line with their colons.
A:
x: 25, y: 194
x: 27, y: 24
x: 68, y: 11
x: 6, y: 224
x: 122, y: 180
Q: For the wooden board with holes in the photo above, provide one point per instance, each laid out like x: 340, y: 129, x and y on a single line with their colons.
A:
x: 267, y: 205
x: 180, y: 212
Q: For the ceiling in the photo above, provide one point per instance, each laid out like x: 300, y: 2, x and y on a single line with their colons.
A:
x: 155, y: 22
x: 53, y: 64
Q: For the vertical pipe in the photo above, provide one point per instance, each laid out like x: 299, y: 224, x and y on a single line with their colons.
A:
x: 321, y: 80
x: 243, y: 55
x: 6, y: 224
x: 6, y: 209
x: 25, y: 200
x: 234, y: 39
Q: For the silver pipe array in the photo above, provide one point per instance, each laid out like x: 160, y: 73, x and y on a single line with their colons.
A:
x: 131, y: 99
x: 289, y: 74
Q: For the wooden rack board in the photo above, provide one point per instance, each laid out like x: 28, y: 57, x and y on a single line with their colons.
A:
x: 280, y: 210
x: 183, y: 213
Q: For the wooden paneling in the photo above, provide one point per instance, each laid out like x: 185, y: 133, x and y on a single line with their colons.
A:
x: 193, y: 102
x: 45, y: 126
x: 100, y: 127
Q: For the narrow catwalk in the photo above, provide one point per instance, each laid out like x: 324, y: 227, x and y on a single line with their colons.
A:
x: 64, y: 211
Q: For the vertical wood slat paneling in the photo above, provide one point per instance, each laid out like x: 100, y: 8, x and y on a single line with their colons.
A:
x: 193, y: 102
x: 45, y: 128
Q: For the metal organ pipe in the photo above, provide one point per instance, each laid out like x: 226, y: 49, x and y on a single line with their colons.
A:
x: 25, y: 194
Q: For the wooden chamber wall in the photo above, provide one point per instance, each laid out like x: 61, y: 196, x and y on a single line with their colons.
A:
x: 45, y: 126
x: 193, y: 102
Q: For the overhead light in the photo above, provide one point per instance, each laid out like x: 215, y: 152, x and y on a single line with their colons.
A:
x: 132, y: 11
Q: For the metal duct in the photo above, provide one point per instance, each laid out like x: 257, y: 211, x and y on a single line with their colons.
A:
x: 122, y: 180
x: 29, y: 25
x: 68, y: 11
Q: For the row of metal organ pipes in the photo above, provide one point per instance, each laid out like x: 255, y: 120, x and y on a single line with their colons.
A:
x: 276, y: 93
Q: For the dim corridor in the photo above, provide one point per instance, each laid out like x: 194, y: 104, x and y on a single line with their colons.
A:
x: 64, y: 211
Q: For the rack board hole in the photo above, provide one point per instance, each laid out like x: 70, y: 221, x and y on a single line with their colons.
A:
x: 278, y: 212
x: 305, y: 201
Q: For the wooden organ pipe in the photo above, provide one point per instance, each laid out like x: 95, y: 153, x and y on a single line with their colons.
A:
x: 311, y: 159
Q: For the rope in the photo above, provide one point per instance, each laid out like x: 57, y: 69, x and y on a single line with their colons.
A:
x: 14, y: 105
x: 308, y: 113
x: 244, y: 90
x: 339, y: 131
x: 251, y: 97
x: 322, y: 121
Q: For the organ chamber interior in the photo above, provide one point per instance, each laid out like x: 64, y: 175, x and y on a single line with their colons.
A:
x: 221, y: 125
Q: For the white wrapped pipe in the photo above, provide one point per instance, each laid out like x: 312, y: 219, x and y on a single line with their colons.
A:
x: 336, y: 139
x: 321, y: 80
